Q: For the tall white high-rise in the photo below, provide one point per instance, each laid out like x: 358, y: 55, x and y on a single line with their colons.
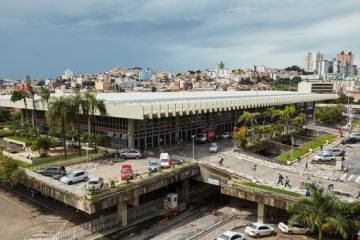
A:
x: 68, y: 74
x: 318, y: 62
x: 309, y: 62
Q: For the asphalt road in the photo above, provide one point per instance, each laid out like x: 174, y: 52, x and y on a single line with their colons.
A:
x: 269, y: 172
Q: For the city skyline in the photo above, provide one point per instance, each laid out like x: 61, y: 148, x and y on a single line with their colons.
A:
x: 93, y: 36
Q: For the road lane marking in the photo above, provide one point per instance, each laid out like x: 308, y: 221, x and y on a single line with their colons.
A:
x: 350, y: 177
x: 343, y: 176
x: 357, y: 179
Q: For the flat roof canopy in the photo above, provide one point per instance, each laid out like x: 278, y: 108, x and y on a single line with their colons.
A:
x: 143, y: 105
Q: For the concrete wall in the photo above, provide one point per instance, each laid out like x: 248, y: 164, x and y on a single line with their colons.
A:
x: 112, y: 198
x: 258, y: 196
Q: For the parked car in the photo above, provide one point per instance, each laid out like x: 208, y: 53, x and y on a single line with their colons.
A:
x: 356, y: 136
x: 326, y: 157
x: 296, y: 228
x: 72, y: 145
x: 225, y: 135
x: 206, y: 135
x: 334, y: 151
x: 213, y: 147
x: 258, y: 230
x: 95, y: 183
x: 349, y: 139
x: 74, y: 177
x: 133, y: 153
x: 153, y: 165
x: 126, y: 172
x: 230, y: 235
x: 165, y: 161
x: 52, y: 171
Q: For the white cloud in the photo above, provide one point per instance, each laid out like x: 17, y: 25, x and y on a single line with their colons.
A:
x: 170, y: 35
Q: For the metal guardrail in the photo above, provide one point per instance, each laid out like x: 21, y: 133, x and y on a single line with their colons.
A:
x: 202, y: 228
x: 68, y: 162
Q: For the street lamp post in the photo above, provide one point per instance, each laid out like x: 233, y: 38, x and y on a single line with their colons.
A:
x: 193, y: 146
x: 234, y: 137
x: 233, y: 212
x: 87, y: 151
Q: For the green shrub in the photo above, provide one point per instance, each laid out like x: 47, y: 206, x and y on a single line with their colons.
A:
x: 304, y: 149
x: 27, y: 140
x: 5, y: 133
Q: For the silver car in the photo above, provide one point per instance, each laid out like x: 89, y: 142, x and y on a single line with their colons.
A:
x: 356, y: 136
x: 296, y: 228
x: 259, y: 229
x: 326, y: 157
x: 74, y: 177
x: 131, y: 154
x: 95, y: 183
x: 334, y: 151
x: 213, y: 147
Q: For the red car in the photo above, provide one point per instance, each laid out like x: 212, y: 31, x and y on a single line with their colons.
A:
x: 126, y: 172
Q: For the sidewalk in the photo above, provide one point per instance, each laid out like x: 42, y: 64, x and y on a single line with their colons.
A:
x: 294, y: 172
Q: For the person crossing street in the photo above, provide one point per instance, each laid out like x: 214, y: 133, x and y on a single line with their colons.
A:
x: 280, y: 179
x: 287, y: 182
x: 221, y: 162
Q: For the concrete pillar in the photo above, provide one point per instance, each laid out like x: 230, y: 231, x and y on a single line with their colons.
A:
x: 186, y: 191
x: 260, y: 212
x: 131, y: 127
x: 177, y: 129
x: 122, y: 214
x: 210, y: 119
x: 134, y: 202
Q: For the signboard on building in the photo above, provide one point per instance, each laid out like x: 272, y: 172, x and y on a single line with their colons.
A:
x: 213, y: 181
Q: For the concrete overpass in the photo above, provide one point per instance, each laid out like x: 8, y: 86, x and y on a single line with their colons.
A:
x: 211, y: 174
x: 128, y: 194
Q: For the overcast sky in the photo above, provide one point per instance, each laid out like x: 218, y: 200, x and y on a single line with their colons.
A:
x: 42, y: 38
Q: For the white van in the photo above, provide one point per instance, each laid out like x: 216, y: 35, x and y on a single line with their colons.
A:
x: 165, y: 161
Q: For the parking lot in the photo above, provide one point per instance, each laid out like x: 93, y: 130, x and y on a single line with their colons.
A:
x: 109, y: 169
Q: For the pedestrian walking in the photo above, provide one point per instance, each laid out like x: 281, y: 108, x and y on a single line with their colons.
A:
x: 280, y: 179
x: 306, y: 166
x: 287, y: 181
x: 358, y: 196
x: 330, y: 186
x: 298, y: 159
x: 321, y: 147
x: 32, y: 193
x: 221, y: 162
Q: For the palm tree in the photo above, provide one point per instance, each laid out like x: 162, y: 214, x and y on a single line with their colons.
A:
x: 45, y: 95
x: 320, y: 211
x: 58, y: 113
x: 91, y: 105
x: 299, y: 121
x: 352, y: 212
x: 249, y: 118
x: 42, y: 144
x: 18, y: 95
x: 32, y: 95
x: 272, y: 113
x: 77, y: 107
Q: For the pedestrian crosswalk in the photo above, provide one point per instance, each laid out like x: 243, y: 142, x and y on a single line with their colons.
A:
x: 350, y: 178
